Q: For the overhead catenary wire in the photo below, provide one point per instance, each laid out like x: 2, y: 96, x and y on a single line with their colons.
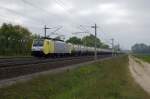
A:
x: 37, y: 7
x: 46, y: 11
x: 83, y: 28
x: 102, y: 33
x: 57, y: 29
x: 62, y: 5
x: 9, y: 21
x: 20, y: 14
x: 42, y: 9
x: 59, y: 2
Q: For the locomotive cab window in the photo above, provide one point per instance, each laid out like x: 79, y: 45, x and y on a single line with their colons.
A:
x: 38, y: 42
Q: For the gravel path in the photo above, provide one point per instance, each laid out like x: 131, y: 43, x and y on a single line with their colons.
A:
x: 140, y: 71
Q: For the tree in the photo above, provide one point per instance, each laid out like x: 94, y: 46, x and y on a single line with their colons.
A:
x: 90, y: 41
x: 104, y: 46
x: 14, y: 39
x: 74, y: 40
x: 141, y: 48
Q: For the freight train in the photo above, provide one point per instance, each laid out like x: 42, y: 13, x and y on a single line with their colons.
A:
x: 46, y: 47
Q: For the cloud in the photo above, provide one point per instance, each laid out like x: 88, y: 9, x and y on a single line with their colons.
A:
x: 127, y: 21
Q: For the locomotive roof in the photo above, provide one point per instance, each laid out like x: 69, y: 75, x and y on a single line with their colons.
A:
x: 55, y: 39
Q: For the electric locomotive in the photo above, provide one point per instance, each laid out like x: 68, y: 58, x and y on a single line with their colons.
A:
x: 56, y: 48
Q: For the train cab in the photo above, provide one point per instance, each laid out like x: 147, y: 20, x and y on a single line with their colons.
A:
x: 37, y: 47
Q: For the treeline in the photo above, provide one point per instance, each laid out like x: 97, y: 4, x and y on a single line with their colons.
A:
x: 141, y: 48
x: 15, y: 40
x: 87, y: 41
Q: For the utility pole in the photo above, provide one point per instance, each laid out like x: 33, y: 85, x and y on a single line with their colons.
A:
x: 95, y: 42
x: 95, y: 54
x: 112, y: 46
x: 118, y: 47
x: 45, y: 28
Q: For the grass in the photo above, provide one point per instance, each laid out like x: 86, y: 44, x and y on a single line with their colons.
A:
x: 143, y: 57
x: 109, y: 79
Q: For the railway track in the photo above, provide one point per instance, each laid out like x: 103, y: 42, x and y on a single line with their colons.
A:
x: 14, y: 68
x: 9, y: 59
x: 20, y: 62
x: 15, y: 57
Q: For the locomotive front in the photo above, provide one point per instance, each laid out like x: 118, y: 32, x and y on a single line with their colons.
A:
x: 37, y: 47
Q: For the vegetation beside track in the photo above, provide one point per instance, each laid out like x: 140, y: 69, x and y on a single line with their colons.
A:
x: 17, y: 56
x: 15, y: 40
x: 109, y: 79
x: 145, y: 57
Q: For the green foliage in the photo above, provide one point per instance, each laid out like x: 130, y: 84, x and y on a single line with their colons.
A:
x: 14, y: 39
x: 109, y: 79
x: 104, y: 45
x: 141, y: 48
x: 74, y: 40
x: 88, y: 41
x: 145, y: 57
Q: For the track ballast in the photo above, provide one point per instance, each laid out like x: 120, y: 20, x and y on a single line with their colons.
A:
x: 15, y: 68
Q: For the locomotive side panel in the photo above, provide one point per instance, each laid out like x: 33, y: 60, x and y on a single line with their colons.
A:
x: 61, y: 47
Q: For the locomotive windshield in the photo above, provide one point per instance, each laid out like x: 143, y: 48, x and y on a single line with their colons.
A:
x: 38, y: 42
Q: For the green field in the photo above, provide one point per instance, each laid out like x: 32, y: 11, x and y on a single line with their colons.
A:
x: 143, y: 57
x: 109, y: 79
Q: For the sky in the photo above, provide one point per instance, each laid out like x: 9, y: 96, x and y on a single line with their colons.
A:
x: 127, y: 21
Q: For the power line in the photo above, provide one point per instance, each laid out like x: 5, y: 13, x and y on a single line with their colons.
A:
x: 83, y: 28
x: 58, y: 28
x: 62, y: 5
x: 46, y: 28
x: 20, y: 14
x: 31, y: 4
x: 59, y: 2
x: 95, y: 41
x: 42, y: 9
x: 35, y: 6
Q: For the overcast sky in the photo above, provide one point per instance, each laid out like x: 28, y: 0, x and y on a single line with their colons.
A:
x: 127, y: 21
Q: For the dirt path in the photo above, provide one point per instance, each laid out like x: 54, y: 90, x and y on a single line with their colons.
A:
x: 140, y: 71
